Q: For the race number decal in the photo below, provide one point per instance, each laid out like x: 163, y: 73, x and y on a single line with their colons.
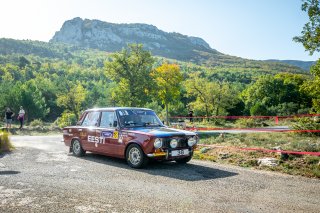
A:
x: 115, y: 134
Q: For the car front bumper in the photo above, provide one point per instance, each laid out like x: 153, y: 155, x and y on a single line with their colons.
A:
x: 171, y: 154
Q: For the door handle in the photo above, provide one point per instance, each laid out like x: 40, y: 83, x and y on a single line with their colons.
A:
x: 80, y: 130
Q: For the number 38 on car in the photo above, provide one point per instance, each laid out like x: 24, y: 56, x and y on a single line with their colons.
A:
x: 136, y: 134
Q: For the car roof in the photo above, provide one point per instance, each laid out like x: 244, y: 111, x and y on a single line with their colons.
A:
x: 114, y: 108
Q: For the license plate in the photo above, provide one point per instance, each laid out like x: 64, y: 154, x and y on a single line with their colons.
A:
x: 180, y: 152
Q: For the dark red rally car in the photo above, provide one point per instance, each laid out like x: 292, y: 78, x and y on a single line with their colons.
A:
x: 136, y: 134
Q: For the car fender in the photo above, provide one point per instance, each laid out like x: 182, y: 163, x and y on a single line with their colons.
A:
x: 132, y: 142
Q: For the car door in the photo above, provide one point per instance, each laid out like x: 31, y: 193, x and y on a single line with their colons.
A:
x: 87, y: 130
x: 109, y: 132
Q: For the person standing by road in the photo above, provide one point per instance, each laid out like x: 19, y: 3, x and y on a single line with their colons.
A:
x: 9, y: 115
x: 21, y: 116
x: 190, y: 115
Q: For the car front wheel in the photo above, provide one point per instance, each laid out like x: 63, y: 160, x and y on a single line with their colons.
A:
x: 77, y: 149
x: 135, y: 156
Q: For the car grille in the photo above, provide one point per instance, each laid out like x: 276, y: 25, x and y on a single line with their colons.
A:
x: 182, y: 143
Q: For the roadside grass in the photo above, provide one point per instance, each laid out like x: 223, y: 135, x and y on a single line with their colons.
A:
x: 238, y: 123
x: 46, y: 129
x: 226, y: 151
x: 35, y: 128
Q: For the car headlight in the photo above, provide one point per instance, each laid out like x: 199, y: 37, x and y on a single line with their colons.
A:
x: 157, y: 143
x: 192, y: 141
x: 174, y: 143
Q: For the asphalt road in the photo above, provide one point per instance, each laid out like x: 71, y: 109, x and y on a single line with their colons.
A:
x: 40, y: 176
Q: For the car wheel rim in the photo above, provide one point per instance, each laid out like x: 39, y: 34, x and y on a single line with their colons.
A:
x: 134, y: 156
x: 76, y: 147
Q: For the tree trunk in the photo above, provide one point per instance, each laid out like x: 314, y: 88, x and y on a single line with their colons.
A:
x: 167, y: 112
x: 207, y: 113
x: 219, y: 98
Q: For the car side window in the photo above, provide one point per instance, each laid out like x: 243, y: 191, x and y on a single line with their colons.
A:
x: 108, y: 119
x: 91, y: 119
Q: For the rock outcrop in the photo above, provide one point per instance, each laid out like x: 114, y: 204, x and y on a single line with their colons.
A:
x: 113, y: 37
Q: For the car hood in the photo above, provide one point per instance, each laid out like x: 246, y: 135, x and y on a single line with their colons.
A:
x: 161, y: 131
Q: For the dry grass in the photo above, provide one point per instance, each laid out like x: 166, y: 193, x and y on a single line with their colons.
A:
x: 5, y: 144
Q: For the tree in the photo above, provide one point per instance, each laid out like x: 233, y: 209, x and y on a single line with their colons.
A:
x: 312, y: 87
x: 33, y: 101
x: 269, y: 95
x: 214, y: 97
x: 74, y: 99
x: 167, y: 79
x: 131, y: 69
x: 310, y: 37
x: 10, y: 96
x: 200, y: 89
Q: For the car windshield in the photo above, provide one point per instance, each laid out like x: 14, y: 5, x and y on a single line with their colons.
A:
x: 138, y: 118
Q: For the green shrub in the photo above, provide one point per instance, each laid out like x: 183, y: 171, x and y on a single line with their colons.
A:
x: 306, y: 124
x: 248, y: 122
x: 66, y: 119
x: 316, y: 171
x: 219, y: 121
x: 259, y: 109
x: 312, y: 160
x: 36, y: 122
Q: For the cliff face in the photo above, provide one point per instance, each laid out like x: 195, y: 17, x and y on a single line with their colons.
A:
x: 113, y: 37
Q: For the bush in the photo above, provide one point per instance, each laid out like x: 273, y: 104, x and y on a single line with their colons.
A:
x: 306, y: 124
x: 284, y: 109
x: 5, y: 144
x: 36, y: 122
x: 248, y: 122
x: 259, y: 109
x: 66, y: 119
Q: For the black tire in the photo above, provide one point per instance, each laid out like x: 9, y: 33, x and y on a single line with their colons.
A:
x: 184, y: 160
x: 77, y: 149
x: 135, y: 157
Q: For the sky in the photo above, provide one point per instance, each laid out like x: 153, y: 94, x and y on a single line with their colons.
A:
x: 253, y: 29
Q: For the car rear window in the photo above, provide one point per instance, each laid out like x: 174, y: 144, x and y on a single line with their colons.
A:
x: 91, y: 119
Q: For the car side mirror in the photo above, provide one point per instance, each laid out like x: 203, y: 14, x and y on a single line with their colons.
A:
x: 78, y: 123
x: 115, y: 123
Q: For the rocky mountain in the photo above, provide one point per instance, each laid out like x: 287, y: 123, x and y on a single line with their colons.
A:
x: 113, y: 37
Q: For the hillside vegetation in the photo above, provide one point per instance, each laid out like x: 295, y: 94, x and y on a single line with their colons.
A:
x: 54, y: 80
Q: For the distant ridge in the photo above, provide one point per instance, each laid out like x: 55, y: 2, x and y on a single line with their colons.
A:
x: 306, y: 65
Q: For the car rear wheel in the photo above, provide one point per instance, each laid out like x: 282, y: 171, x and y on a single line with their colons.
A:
x: 136, y: 157
x: 77, y: 149
x: 184, y: 160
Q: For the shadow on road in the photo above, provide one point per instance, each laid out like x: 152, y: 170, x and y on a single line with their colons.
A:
x: 187, y: 172
x: 9, y: 172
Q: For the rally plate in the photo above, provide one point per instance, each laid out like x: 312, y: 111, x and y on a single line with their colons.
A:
x: 181, y: 152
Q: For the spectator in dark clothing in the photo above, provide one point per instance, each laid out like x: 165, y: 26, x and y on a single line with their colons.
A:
x: 190, y: 115
x: 8, y: 117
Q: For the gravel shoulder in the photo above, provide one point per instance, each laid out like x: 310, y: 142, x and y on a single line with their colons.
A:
x: 40, y: 176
